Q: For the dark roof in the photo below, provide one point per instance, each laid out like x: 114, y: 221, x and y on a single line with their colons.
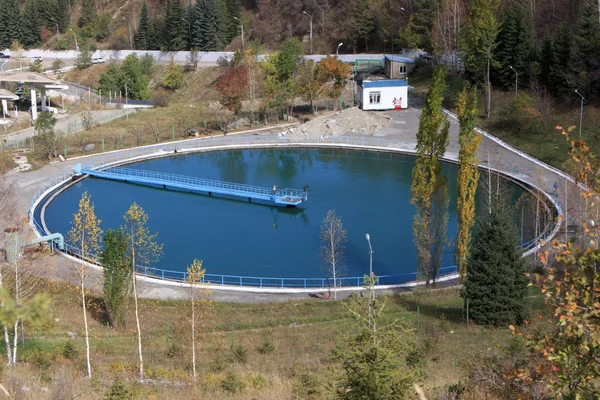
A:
x: 385, y: 83
x: 400, y: 59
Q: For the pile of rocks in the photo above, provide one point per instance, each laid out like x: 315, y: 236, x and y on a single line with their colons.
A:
x: 350, y: 122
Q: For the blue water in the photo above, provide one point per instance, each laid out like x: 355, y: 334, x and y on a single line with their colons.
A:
x: 369, y: 191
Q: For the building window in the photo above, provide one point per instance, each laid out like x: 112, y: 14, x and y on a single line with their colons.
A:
x: 402, y: 69
x: 375, y: 97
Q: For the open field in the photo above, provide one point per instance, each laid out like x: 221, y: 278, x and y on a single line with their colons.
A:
x: 280, y: 344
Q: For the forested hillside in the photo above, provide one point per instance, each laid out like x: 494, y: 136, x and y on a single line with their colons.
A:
x: 362, y: 25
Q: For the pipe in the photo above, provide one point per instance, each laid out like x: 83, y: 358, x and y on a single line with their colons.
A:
x: 47, y: 238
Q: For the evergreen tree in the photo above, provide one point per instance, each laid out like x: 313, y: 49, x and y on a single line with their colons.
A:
x: 234, y: 9
x: 63, y: 14
x: 496, y: 286
x: 546, y: 57
x: 155, y: 39
x: 562, y: 71
x: 88, y: 12
x: 141, y: 36
x: 515, y: 46
x: 363, y: 23
x: 48, y: 13
x: 175, y: 32
x: 588, y: 50
x: 31, y: 28
x: 10, y: 23
x: 210, y: 32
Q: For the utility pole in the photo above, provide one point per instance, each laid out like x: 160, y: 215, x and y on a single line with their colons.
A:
x: 372, y: 296
x: 242, y: 27
x: 516, y: 80
x: 311, y: 35
x: 580, y: 113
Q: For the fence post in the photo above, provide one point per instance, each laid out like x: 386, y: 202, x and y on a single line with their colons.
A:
x: 418, y: 318
x: 173, y: 130
x: 232, y: 334
x: 106, y: 333
x: 168, y: 334
x: 294, y: 329
x: 467, y: 312
x: 65, y: 150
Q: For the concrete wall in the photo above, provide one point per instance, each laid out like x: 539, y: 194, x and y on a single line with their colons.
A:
x: 388, y: 94
x: 178, y: 56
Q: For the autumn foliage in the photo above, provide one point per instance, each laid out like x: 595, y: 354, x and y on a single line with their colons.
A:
x: 233, y: 87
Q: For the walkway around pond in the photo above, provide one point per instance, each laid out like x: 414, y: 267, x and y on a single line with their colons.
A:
x: 400, y: 136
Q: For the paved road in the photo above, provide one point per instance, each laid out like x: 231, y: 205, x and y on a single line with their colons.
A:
x: 402, y: 132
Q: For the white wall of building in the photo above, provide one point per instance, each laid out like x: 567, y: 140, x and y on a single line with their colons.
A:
x: 389, y: 97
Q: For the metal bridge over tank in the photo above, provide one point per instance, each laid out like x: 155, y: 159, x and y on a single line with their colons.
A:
x: 275, y: 196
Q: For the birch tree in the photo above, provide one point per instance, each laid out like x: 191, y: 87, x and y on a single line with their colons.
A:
x: 468, y: 175
x: 333, y: 239
x: 142, y: 249
x: 200, y: 305
x: 86, y: 234
x: 432, y: 139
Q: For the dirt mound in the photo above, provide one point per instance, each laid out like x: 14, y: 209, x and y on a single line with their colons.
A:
x: 351, y: 122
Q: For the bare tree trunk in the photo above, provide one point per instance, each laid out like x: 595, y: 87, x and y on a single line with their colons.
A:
x: 488, y: 95
x: 333, y: 271
x: 7, y: 344
x: 193, y: 336
x: 15, y: 341
x: 85, y: 322
x: 137, y: 315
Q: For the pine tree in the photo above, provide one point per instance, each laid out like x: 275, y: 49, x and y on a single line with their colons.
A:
x: 48, y: 13
x: 588, y: 50
x: 10, y: 23
x: 31, y: 27
x: 88, y: 12
x: 234, y: 10
x: 175, y: 32
x: 546, y: 57
x: 111, y: 81
x: 562, y: 72
x: 141, y: 36
x: 63, y: 14
x: 515, y: 46
x: 154, y: 38
x: 209, y: 28
x: 496, y: 286
x: 363, y: 23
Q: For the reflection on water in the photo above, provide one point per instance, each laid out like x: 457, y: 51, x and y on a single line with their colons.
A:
x: 370, y: 191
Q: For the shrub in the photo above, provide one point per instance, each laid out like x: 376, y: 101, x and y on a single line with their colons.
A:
x: 161, y: 97
x: 173, y: 351
x: 307, y: 386
x: 266, y: 347
x: 117, y: 391
x: 232, y: 383
x: 217, y: 365
x: 240, y: 354
x: 70, y: 352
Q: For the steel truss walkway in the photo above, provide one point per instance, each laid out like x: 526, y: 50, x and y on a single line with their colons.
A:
x: 278, y: 197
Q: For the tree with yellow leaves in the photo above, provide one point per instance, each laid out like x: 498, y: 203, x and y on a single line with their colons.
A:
x: 86, y: 234
x: 432, y: 139
x: 142, y: 249
x: 468, y: 175
x: 199, y: 302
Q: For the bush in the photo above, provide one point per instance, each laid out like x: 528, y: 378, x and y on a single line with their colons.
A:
x: 161, y: 97
x: 173, y: 351
x: 307, y: 386
x: 70, y: 352
x: 240, y: 354
x: 266, y: 347
x: 232, y: 383
x: 117, y: 391
x: 218, y: 364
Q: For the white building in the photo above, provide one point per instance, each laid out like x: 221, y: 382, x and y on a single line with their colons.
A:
x: 383, y: 94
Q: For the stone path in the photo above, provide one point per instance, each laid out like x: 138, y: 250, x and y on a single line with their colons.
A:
x: 401, y: 131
